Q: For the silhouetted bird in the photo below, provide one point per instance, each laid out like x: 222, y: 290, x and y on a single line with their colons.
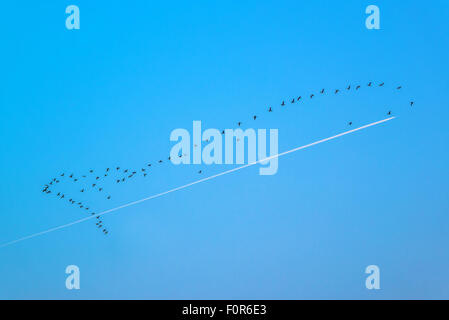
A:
x: 144, y: 174
x: 270, y: 110
x: 389, y: 113
x: 125, y: 171
x: 349, y: 87
x: 369, y: 84
x: 293, y: 101
x: 222, y: 132
x: 322, y: 91
x: 71, y: 176
x: 62, y: 175
x: 93, y: 185
x: 107, y: 169
x: 254, y: 117
x: 109, y: 197
x: 311, y: 96
x: 100, y: 189
x: 149, y: 165
x: 382, y: 84
x: 200, y: 171
x: 299, y: 98
x: 337, y: 91
x: 97, y: 178
x: 283, y: 103
x: 82, y: 190
x: 399, y: 88
x: 350, y: 123
x: 75, y: 180
x: 160, y: 161
x: 357, y: 88
x: 142, y: 169
x: 91, y: 171
x: 118, y: 168
x: 412, y: 103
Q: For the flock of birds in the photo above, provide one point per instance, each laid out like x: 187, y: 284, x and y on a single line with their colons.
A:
x: 93, y: 180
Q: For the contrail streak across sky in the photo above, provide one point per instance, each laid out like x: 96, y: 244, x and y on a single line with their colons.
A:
x: 193, y: 183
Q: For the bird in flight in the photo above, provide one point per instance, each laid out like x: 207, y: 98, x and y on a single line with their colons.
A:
x: 109, y: 197
x: 399, y: 88
x: 412, y: 103
x: 357, y: 88
x: 299, y: 98
x: 322, y: 91
x: 350, y: 123
x: 270, y: 110
x: 254, y: 117
x: 369, y: 84
x: 239, y: 123
x: 311, y: 96
x: 382, y: 84
x: 389, y: 113
x: 337, y: 91
x: 283, y: 103
x: 82, y: 190
x: 349, y: 87
x: 200, y: 171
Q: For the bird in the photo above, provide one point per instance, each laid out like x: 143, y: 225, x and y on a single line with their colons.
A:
x: 71, y: 176
x: 62, y: 175
x: 62, y: 196
x: 144, y: 174
x: 382, y: 84
x: 293, y: 100
x: 82, y: 190
x: 59, y: 193
x: 169, y: 158
x: 389, y: 113
x: 97, y: 178
x: 149, y: 165
x: 270, y: 110
x: 349, y: 87
x: 160, y: 161
x: 336, y: 91
x: 239, y: 123
x: 322, y: 91
x: 91, y: 170
x: 311, y: 96
x: 254, y: 117
x: 100, y: 189
x: 357, y: 88
x: 126, y: 170
x: 369, y: 84
x: 118, y: 180
x: 222, y: 132
x: 143, y: 169
x: 118, y: 168
x: 350, y: 123
x: 299, y: 98
x: 412, y: 103
x: 123, y: 179
x: 109, y: 197
x: 93, y: 185
x: 200, y: 171
x: 399, y: 88
x: 283, y: 103
x: 107, y: 169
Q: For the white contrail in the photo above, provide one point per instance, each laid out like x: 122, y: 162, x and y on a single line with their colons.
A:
x: 195, y: 182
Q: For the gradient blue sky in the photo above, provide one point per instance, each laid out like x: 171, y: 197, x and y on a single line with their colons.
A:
x: 110, y: 94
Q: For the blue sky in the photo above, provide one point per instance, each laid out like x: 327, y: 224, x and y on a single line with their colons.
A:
x: 110, y: 93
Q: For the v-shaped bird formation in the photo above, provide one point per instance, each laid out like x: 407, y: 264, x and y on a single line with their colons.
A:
x: 92, y: 181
